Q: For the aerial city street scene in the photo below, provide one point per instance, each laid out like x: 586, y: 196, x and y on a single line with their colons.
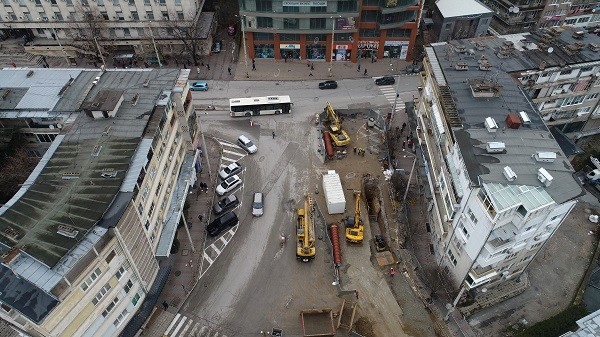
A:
x: 231, y: 168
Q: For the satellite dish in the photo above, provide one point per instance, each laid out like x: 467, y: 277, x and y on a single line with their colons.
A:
x: 550, y: 50
x: 511, y: 9
x: 516, y: 10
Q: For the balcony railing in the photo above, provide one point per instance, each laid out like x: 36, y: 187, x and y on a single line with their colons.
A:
x: 397, y: 19
x: 400, y: 6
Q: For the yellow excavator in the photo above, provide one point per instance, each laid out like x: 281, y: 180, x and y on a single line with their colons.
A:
x: 305, y: 231
x: 354, y: 225
x: 340, y: 136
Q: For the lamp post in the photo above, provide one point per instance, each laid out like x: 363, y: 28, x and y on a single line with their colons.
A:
x: 99, y: 51
x: 243, y: 23
x: 332, y: 42
x: 154, y: 44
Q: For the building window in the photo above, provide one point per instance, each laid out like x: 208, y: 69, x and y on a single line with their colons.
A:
x: 128, y: 286
x: 398, y: 32
x: 369, y: 16
x: 150, y: 15
x: 263, y: 36
x: 586, y: 69
x: 291, y: 9
x: 115, y: 2
x: 147, y: 2
x: 105, y: 16
x: 317, y: 23
x: 135, y: 299
x: 121, y: 318
x: 179, y: 15
x: 101, y: 294
x: 289, y: 37
x: 110, y: 307
x: 165, y: 16
x: 451, y: 257
x: 162, y: 2
x: 536, y: 245
x: 291, y: 23
x: 126, y: 32
x: 135, y: 16
x: 566, y: 72
x: 110, y: 256
x: 150, y: 210
x: 178, y: 2
x: 368, y: 33
x: 350, y: 5
x: 318, y: 9
x: 120, y: 272
x: 591, y: 96
x: 120, y: 16
x: 465, y: 232
x: 263, y: 22
x: 90, y: 279
x: 264, y: 5
x: 472, y: 216
x: 511, y: 256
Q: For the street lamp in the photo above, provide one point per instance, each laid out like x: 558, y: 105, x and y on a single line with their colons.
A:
x: 154, y: 44
x: 332, y: 42
x: 243, y: 23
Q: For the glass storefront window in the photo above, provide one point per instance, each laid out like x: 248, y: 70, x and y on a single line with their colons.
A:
x: 315, y: 51
x: 264, y: 51
x: 289, y: 53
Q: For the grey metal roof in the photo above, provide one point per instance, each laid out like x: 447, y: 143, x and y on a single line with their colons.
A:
x: 139, y: 160
x: 521, y: 144
x: 454, y: 8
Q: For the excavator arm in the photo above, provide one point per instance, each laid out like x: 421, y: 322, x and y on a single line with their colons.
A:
x: 340, y: 137
x: 355, y: 230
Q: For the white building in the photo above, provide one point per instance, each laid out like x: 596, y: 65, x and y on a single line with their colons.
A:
x: 81, y: 240
x: 500, y: 185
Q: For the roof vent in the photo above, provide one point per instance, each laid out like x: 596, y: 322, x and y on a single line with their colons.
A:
x: 495, y: 147
x: 461, y: 66
x: 67, y: 231
x: 544, y: 177
x: 509, y: 173
x: 545, y: 156
x: 525, y: 120
x: 460, y: 48
x: 578, y: 35
x: 512, y: 121
x: 490, y: 124
x: 29, y: 73
x: 594, y: 47
x: 11, y: 233
x: 479, y: 45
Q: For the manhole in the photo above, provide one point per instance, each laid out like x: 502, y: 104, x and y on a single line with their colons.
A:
x: 177, y: 273
x: 185, y: 252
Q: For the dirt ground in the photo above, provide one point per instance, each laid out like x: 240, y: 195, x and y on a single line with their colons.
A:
x: 555, y: 276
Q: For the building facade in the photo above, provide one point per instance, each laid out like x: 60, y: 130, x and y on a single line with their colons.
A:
x: 99, y: 203
x: 500, y: 185
x: 460, y: 19
x: 89, y: 27
x: 345, y: 30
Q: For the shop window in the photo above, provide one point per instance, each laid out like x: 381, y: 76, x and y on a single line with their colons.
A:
x: 263, y: 51
x: 368, y: 33
x: 317, y: 23
x: 291, y: 23
x: 262, y: 22
x: 315, y: 52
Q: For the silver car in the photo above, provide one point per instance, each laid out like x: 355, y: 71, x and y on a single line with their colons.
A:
x: 228, y: 185
x: 257, y: 204
x: 247, y: 144
x: 231, y: 169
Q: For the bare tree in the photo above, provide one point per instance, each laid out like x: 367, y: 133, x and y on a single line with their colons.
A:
x: 191, y: 33
x: 90, y: 27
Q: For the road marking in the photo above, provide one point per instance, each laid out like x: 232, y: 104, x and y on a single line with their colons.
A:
x: 222, y: 239
x: 172, y: 324
x: 217, y: 250
x: 232, y: 152
x: 190, y: 328
x: 210, y: 261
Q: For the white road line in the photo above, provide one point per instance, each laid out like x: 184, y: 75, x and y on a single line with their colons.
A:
x: 233, y: 152
x: 217, y: 250
x: 230, y: 160
x: 210, y: 261
x: 187, y: 326
x: 230, y: 145
x: 222, y: 239
x: 179, y: 326
x: 172, y: 324
x: 193, y: 331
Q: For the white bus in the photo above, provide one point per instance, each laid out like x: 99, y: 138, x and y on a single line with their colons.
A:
x: 256, y: 106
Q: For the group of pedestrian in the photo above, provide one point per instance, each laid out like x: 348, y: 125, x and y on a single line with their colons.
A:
x: 204, y: 187
x: 359, y: 151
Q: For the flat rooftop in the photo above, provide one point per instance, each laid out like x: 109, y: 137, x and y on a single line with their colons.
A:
x: 467, y: 107
x: 457, y: 8
x: 76, y: 186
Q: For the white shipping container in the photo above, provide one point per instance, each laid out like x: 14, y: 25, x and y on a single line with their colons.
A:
x: 334, y: 193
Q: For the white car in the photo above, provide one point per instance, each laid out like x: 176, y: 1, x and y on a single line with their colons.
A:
x: 229, y: 184
x: 257, y: 204
x: 233, y: 168
x: 247, y: 144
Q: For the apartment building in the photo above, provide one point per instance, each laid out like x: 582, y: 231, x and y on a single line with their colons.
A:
x: 498, y: 182
x: 517, y: 16
x: 88, y: 27
x: 81, y: 240
x: 342, y: 30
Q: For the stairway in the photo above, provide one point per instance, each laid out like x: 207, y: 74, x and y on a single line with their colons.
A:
x: 12, y: 51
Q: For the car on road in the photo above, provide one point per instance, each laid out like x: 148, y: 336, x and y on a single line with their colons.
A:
x: 328, y: 85
x: 247, y: 144
x: 199, y: 86
x: 216, y: 47
x: 225, y: 204
x: 228, y: 184
x: 380, y: 244
x: 257, y: 204
x: 228, y: 219
x: 385, y: 80
x: 231, y: 169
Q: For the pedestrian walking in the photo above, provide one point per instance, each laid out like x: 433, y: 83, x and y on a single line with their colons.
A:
x: 403, y: 126
x: 358, y: 68
x: 407, y: 137
x: 200, y: 217
x: 253, y: 61
x: 403, y: 145
x: 365, y: 71
x: 273, y: 133
x: 392, y: 272
x: 253, y: 66
x: 207, y: 66
x: 312, y: 66
x: 310, y: 74
x: 355, y: 150
x: 229, y: 70
x: 202, y: 63
x: 356, y: 293
x: 165, y: 305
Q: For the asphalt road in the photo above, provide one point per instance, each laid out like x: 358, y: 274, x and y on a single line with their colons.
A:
x: 254, y: 284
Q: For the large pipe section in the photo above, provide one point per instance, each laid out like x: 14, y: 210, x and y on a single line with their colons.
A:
x: 328, y: 144
x: 335, y: 243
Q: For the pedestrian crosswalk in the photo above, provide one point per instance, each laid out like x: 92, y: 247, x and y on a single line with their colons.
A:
x: 183, y: 326
x: 231, y: 153
x: 389, y: 91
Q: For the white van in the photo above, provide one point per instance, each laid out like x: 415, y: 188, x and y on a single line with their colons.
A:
x: 247, y: 144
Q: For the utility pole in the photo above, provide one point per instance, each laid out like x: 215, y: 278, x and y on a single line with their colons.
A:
x: 154, y: 44
x: 100, y: 52
x: 243, y: 22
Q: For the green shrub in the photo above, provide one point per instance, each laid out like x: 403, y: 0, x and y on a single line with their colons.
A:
x: 556, y: 325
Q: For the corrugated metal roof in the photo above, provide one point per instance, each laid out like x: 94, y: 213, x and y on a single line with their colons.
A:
x: 139, y: 160
x: 435, y: 66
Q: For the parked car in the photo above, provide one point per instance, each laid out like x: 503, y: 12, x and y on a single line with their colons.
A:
x: 380, y: 244
x: 199, y: 86
x: 228, y: 185
x: 257, y: 204
x: 328, y: 85
x: 231, y: 169
x: 247, y: 144
x: 216, y: 47
x: 228, y: 219
x: 225, y: 204
x: 385, y: 80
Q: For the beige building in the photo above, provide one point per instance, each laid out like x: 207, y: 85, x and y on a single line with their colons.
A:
x: 81, y: 239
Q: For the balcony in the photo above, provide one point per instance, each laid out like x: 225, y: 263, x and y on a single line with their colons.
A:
x: 396, y: 20
x: 400, y: 6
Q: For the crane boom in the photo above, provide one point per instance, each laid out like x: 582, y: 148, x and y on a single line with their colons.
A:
x: 305, y: 231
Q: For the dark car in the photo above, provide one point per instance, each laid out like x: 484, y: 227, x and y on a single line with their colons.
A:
x: 216, y: 47
x: 225, y: 204
x: 328, y: 85
x: 380, y: 244
x: 228, y: 219
x: 385, y: 80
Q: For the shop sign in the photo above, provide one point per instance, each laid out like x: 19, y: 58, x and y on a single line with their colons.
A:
x: 289, y: 46
x: 368, y: 44
x: 396, y: 43
x: 342, y: 46
x: 305, y: 3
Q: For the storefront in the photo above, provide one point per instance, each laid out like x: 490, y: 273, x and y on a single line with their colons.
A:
x: 289, y: 51
x: 316, y: 51
x: 342, y: 52
x: 264, y: 51
x: 395, y: 49
x: 367, y: 49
